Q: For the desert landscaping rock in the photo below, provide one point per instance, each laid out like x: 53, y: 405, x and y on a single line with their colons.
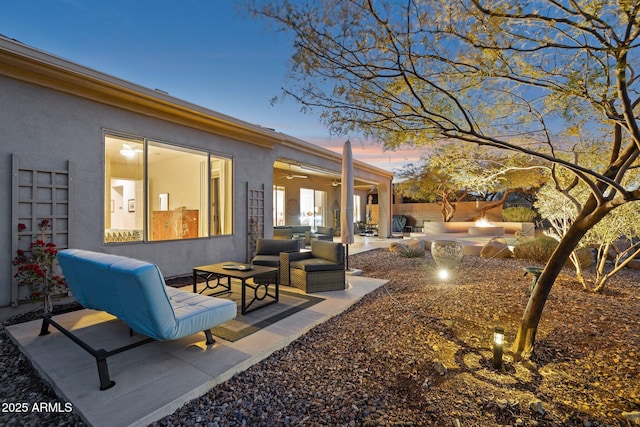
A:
x: 496, y: 248
x: 398, y: 246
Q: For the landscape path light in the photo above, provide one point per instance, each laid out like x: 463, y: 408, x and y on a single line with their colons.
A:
x: 498, y: 343
x: 443, y: 274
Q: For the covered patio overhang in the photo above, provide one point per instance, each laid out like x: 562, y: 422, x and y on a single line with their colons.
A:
x: 294, y: 177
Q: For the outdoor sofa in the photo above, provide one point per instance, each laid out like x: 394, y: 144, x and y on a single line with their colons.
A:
x: 282, y: 234
x: 268, y: 254
x: 321, y: 233
x: 134, y: 291
x: 298, y: 231
x: 322, y: 269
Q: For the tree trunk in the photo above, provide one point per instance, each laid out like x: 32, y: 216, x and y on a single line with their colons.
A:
x: 448, y: 208
x: 485, y: 209
x: 525, y: 338
x: 575, y: 260
x: 601, y: 280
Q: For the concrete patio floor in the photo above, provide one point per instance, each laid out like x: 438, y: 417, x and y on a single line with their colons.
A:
x: 153, y: 380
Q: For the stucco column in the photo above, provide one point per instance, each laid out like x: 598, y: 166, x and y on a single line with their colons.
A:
x: 385, y: 209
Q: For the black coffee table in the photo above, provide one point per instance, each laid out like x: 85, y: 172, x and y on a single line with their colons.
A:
x: 230, y: 271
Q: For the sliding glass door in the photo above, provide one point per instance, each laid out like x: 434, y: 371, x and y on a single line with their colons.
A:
x: 313, y: 207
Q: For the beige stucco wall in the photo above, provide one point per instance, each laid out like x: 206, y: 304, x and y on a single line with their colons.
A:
x: 417, y: 213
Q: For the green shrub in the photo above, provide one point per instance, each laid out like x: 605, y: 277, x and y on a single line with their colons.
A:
x: 519, y: 214
x: 539, y: 249
x: 409, y: 252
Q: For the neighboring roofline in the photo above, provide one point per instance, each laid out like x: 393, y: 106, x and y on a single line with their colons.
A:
x: 24, y: 63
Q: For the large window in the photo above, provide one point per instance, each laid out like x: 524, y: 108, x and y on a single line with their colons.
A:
x: 185, y: 193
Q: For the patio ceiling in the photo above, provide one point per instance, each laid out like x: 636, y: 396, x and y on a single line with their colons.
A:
x: 294, y: 169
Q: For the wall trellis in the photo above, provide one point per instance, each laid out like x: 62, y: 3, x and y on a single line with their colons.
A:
x: 38, y: 194
x: 255, y: 217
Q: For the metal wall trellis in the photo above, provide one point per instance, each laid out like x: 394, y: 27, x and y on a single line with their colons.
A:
x: 255, y: 217
x: 38, y: 195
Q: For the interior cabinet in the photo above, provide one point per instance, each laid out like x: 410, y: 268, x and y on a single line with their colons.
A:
x: 177, y: 224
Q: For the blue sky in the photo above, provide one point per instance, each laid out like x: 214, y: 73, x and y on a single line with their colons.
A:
x: 203, y: 51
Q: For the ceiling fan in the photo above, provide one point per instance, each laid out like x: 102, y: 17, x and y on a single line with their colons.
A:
x: 292, y: 176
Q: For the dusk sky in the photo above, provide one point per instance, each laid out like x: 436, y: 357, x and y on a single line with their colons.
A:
x: 206, y: 52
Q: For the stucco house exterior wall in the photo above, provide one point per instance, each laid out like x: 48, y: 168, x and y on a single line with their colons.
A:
x: 54, y: 115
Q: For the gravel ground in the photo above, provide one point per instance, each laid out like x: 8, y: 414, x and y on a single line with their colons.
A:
x: 417, y: 351
x: 21, y: 388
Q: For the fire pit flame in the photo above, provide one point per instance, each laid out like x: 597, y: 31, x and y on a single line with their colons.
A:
x: 482, y: 222
x: 483, y: 227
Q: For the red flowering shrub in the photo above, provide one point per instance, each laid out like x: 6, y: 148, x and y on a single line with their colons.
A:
x: 35, y: 268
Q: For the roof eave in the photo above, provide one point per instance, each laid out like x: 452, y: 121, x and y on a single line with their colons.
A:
x: 30, y: 65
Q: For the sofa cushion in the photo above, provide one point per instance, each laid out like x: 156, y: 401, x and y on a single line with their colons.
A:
x: 327, y: 231
x: 330, y: 251
x: 275, y: 246
x: 295, y: 229
x: 316, y: 264
x: 266, y: 260
x: 325, y: 237
x: 282, y: 233
x: 129, y: 289
x: 300, y: 229
x: 196, y: 312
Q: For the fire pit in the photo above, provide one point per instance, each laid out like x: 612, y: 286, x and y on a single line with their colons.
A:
x: 485, y: 228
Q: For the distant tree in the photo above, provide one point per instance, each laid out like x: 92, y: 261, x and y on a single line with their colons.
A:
x: 619, y: 234
x: 618, y: 231
x: 426, y: 183
x: 453, y: 172
x: 508, y: 74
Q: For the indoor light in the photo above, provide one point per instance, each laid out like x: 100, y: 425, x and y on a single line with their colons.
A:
x: 127, y: 151
x: 498, y: 342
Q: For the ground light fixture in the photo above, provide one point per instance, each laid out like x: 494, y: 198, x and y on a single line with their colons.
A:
x: 443, y: 274
x: 498, y: 343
